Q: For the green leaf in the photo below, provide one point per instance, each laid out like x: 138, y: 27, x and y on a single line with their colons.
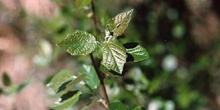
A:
x: 91, y: 77
x: 119, y: 23
x: 1, y: 91
x: 69, y: 84
x: 23, y: 85
x: 82, y: 3
x: 14, y: 89
x: 136, y: 51
x: 11, y: 90
x: 75, y: 81
x: 67, y: 100
x: 59, y: 79
x: 79, y: 43
x: 117, y: 106
x: 114, y: 56
x: 6, y: 79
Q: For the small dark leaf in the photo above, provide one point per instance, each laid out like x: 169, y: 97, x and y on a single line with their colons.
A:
x: 23, y: 85
x: 6, y: 79
x: 1, y: 91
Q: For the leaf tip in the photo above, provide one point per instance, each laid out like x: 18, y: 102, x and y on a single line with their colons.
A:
x: 131, y: 11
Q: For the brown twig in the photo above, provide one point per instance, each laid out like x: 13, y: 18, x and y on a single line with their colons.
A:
x: 94, y: 17
x: 101, y: 77
x: 99, y: 73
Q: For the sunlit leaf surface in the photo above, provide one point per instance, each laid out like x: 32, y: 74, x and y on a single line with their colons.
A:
x: 119, y: 23
x: 136, y: 51
x: 79, y: 43
x: 114, y: 56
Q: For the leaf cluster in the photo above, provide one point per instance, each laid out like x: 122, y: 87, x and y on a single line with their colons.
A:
x: 11, y: 88
x: 111, y: 51
x: 113, y: 56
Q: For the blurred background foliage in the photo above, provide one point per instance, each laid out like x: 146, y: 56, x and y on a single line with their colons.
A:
x: 181, y: 36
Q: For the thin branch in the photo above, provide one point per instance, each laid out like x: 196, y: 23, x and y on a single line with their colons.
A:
x: 101, y: 77
x: 104, y: 91
x: 94, y: 19
x: 99, y: 73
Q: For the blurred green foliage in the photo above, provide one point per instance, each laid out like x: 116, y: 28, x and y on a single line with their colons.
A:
x: 162, y: 81
x: 179, y: 75
x: 9, y: 88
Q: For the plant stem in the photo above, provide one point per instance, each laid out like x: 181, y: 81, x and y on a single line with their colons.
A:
x: 101, y: 77
x: 99, y: 73
x: 104, y: 91
x: 94, y: 17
